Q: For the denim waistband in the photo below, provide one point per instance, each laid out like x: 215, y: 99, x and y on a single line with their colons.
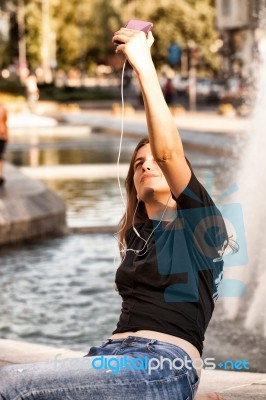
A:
x: 138, y: 339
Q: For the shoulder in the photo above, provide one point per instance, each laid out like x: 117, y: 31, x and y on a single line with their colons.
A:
x: 194, y: 195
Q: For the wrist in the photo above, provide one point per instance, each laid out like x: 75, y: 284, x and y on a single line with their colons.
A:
x: 146, y: 70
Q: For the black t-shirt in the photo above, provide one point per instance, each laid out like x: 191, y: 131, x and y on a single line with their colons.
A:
x: 170, y: 286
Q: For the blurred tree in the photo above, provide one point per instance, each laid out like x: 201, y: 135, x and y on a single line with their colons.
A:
x: 4, y: 52
x: 67, y: 33
x: 82, y: 29
x: 184, y: 22
x: 33, y: 22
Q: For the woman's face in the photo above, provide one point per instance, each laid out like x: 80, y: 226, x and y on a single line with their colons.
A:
x: 149, y: 179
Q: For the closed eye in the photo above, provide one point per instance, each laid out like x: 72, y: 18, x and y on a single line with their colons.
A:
x: 138, y: 164
x: 139, y: 161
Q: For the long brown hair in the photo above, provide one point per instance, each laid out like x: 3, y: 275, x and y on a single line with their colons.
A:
x: 132, y: 200
x: 141, y: 213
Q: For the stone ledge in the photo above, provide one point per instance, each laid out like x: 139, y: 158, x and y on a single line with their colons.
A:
x: 17, y: 352
x: 28, y: 208
x: 230, y: 384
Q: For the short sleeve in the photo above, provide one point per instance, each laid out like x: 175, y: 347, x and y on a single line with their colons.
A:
x: 194, y: 195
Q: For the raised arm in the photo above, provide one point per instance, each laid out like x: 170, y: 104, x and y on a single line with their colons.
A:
x: 165, y: 141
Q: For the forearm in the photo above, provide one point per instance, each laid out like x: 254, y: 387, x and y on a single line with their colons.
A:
x: 163, y: 134
x: 164, y: 137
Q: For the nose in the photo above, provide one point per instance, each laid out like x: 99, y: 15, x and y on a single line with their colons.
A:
x: 147, y: 165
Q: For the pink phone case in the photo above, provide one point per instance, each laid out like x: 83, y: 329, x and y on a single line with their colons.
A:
x: 137, y: 25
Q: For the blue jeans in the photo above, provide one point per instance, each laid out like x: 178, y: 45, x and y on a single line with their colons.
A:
x: 117, y: 369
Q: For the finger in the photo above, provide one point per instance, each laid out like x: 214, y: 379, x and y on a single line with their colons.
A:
x: 150, y: 38
x: 119, y: 48
x: 120, y: 38
x: 125, y: 31
x: 130, y: 32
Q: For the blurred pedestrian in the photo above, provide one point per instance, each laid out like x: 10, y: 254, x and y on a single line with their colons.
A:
x: 32, y: 91
x: 3, y: 139
x: 168, y: 91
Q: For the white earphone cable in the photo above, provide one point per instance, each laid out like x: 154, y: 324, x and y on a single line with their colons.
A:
x: 119, y: 155
x: 124, y: 249
x: 122, y: 133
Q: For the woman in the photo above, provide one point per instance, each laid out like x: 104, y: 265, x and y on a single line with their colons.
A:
x: 171, y: 239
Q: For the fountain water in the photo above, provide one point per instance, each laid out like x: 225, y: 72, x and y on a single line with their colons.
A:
x: 251, y: 195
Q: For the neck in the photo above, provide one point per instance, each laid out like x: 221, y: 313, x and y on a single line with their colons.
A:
x: 164, y: 210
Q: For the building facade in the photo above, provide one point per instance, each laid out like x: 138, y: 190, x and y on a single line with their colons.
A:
x: 242, y: 23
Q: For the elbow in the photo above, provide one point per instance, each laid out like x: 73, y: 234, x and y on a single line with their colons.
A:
x: 166, y: 155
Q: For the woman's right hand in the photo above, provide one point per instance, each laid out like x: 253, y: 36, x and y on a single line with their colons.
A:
x: 136, y: 47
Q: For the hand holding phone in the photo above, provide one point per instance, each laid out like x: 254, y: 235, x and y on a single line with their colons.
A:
x: 137, y: 25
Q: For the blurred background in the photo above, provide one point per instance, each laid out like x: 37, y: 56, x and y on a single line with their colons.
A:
x: 67, y: 46
x: 60, y: 83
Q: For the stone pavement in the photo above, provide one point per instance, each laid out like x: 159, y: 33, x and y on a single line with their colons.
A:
x: 202, y: 131
x: 198, y: 121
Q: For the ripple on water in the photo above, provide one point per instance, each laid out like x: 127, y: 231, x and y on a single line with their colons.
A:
x: 62, y: 298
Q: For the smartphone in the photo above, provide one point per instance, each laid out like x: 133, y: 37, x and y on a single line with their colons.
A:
x: 137, y: 25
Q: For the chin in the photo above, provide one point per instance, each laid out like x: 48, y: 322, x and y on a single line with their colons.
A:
x: 154, y: 194
x: 147, y: 193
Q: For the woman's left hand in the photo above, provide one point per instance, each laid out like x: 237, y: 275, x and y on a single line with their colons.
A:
x: 136, y: 47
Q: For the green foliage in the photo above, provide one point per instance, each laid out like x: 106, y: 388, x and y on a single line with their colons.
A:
x: 180, y: 21
x: 84, y: 28
x: 4, y: 45
x: 84, y: 32
x: 185, y: 22
x: 68, y: 34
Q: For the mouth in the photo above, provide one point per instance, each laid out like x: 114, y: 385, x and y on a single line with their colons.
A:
x: 148, y: 176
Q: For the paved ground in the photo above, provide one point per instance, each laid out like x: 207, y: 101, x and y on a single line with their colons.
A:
x: 202, y: 131
x: 201, y: 121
